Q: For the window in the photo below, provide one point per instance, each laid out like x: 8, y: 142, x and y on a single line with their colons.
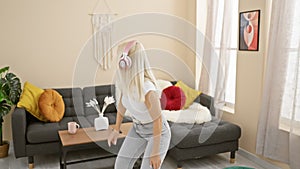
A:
x: 219, y: 27
x: 231, y: 81
x: 290, y: 109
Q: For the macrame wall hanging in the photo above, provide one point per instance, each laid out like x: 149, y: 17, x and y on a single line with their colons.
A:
x: 102, y: 33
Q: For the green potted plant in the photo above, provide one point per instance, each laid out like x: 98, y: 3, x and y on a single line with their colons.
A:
x: 10, y: 90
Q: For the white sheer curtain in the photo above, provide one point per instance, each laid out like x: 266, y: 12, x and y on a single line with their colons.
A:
x: 219, y: 58
x: 278, y: 131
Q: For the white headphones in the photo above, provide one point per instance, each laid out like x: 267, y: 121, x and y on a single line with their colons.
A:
x: 125, y: 61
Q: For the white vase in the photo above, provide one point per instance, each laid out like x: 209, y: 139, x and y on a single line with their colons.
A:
x: 101, y: 123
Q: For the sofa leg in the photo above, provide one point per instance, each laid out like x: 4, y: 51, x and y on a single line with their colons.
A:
x: 138, y: 163
x: 30, y: 162
x: 30, y: 166
x: 232, y: 157
x: 179, y: 165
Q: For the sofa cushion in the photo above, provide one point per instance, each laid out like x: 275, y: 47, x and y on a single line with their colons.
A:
x: 73, y: 101
x: 39, y: 132
x: 194, y: 135
x: 99, y: 93
x: 52, y: 105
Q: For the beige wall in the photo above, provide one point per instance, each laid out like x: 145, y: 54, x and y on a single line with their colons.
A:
x: 49, y: 35
x: 41, y: 40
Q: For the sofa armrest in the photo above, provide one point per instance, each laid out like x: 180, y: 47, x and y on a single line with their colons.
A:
x: 206, y: 101
x: 19, y: 125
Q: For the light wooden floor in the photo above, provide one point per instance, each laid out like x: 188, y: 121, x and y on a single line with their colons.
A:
x: 52, y: 162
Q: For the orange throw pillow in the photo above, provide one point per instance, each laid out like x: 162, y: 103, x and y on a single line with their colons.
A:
x: 51, y: 105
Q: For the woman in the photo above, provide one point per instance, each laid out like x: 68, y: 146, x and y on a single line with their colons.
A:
x: 150, y: 133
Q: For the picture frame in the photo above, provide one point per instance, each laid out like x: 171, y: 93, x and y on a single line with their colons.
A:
x: 249, y: 25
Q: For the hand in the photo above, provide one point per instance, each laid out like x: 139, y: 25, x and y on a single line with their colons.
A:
x: 155, y: 161
x: 113, y: 137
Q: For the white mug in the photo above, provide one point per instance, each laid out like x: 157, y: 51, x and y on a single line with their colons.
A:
x: 72, y: 127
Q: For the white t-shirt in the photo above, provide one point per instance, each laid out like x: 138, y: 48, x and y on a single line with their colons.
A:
x: 139, y: 110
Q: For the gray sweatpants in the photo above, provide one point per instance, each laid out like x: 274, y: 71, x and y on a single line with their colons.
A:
x: 139, y: 140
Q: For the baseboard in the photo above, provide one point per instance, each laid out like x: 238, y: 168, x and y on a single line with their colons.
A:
x: 256, y: 159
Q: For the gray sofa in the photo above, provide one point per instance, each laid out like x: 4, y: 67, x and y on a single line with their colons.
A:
x: 32, y: 137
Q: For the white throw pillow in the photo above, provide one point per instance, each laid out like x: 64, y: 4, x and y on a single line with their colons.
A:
x: 196, y: 113
x: 162, y: 84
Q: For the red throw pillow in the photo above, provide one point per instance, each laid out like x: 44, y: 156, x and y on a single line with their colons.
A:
x: 172, y: 98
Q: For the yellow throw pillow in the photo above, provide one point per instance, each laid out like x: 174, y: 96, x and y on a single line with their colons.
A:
x: 190, y: 94
x: 52, y: 105
x: 29, y: 100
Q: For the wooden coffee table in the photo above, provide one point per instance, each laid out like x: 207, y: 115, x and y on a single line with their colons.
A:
x: 84, y: 139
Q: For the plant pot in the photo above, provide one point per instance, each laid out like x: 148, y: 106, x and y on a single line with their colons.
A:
x: 4, y: 149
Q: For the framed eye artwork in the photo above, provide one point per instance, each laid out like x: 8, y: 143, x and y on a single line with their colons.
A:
x: 249, y: 30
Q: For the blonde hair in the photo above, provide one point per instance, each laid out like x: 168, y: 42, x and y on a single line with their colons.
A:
x: 131, y: 81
